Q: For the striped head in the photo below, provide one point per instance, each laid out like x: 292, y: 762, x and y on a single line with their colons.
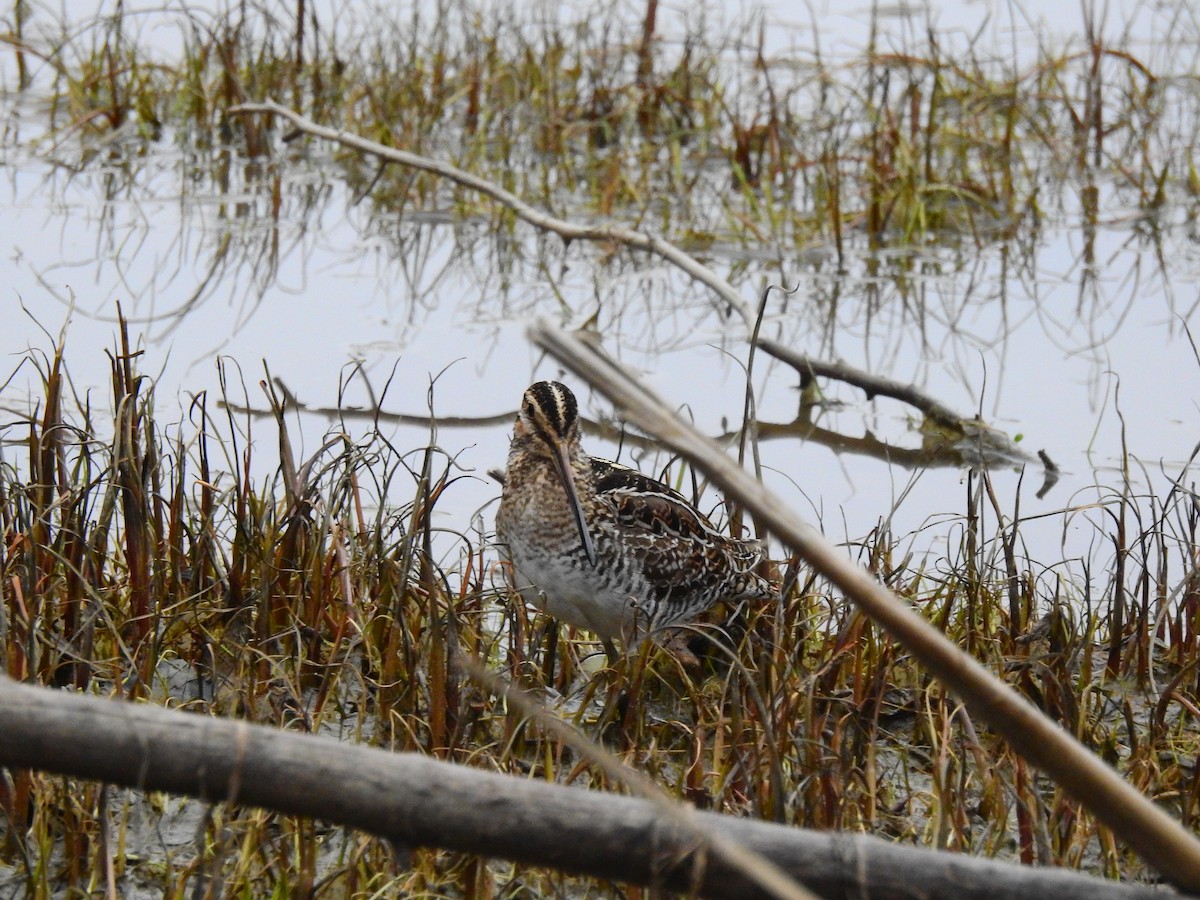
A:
x: 549, y: 414
x: 548, y: 426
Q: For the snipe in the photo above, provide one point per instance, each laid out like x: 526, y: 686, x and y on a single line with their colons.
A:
x: 602, y: 547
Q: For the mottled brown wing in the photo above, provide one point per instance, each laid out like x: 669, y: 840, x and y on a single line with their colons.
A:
x: 613, y: 477
x: 681, y: 553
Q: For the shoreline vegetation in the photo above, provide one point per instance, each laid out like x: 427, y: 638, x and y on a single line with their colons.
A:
x: 606, y: 117
x: 145, y: 562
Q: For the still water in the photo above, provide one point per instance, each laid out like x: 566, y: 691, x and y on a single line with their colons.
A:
x: 1075, y: 341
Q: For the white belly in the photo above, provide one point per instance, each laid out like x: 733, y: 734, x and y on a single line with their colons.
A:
x: 570, y: 589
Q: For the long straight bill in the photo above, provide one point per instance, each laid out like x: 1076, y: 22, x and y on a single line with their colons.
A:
x: 562, y: 461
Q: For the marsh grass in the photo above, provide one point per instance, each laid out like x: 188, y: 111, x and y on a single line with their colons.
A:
x: 603, y: 113
x: 142, y: 561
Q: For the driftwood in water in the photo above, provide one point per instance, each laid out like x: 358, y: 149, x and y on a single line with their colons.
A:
x: 418, y: 801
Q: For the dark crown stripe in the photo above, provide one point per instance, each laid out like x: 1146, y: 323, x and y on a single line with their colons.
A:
x: 554, y: 406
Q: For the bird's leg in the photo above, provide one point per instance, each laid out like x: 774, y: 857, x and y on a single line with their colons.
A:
x: 610, y: 650
x: 548, y: 658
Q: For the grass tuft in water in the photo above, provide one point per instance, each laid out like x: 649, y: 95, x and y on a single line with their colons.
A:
x: 141, y: 560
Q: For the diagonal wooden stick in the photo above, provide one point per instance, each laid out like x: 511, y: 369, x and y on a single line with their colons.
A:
x: 1160, y: 839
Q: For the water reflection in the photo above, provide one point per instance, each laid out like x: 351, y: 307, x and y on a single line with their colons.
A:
x: 358, y: 286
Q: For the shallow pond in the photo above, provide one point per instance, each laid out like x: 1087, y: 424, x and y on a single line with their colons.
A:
x: 1071, y: 336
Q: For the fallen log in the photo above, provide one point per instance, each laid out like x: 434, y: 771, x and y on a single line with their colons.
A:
x: 416, y: 801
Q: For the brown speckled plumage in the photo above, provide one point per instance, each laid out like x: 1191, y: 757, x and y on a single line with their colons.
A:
x: 602, y: 547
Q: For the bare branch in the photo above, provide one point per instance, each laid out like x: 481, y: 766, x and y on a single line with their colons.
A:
x: 873, y: 385
x: 417, y: 801
x: 965, y: 438
x: 568, y: 231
